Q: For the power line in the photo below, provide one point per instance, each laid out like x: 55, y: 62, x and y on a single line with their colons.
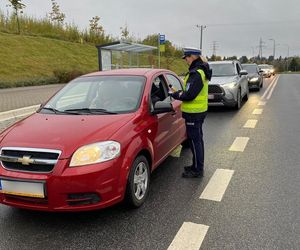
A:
x: 255, y: 23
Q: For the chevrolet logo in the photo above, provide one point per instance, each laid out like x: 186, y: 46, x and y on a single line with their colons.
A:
x: 26, y: 160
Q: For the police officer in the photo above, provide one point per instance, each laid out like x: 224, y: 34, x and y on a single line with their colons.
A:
x: 194, y: 105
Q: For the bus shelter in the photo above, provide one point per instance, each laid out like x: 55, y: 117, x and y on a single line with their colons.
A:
x: 133, y: 50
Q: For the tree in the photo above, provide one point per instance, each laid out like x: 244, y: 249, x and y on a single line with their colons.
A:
x: 244, y: 59
x: 95, y: 27
x: 125, y: 33
x: 18, y: 7
x: 293, y: 65
x: 56, y: 16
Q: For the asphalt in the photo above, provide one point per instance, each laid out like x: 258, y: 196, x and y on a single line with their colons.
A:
x: 17, y: 103
x: 259, y: 210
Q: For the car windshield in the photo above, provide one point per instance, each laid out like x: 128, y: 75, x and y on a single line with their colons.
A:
x: 250, y: 68
x: 222, y: 69
x: 98, y: 95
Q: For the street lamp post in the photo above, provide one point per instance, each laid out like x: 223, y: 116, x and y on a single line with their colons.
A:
x: 201, y: 27
x: 288, y: 54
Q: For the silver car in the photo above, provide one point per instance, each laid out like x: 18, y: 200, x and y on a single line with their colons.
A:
x: 228, y: 85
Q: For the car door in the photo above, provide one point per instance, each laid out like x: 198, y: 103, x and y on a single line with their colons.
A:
x: 164, y: 140
x: 179, y: 121
x: 242, y: 79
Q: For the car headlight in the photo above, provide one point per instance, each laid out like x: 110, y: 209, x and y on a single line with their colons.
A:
x: 254, y: 79
x: 229, y: 85
x: 95, y: 153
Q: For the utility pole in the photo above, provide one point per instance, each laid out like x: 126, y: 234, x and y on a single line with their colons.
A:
x: 274, y: 45
x: 215, y: 47
x: 201, y: 27
x: 260, y: 48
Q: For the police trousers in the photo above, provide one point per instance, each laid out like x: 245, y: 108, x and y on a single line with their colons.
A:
x: 194, y: 131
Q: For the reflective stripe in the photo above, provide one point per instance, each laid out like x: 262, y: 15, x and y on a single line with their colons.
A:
x: 200, y: 103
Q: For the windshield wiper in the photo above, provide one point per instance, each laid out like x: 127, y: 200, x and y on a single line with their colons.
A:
x: 56, y: 111
x: 90, y: 111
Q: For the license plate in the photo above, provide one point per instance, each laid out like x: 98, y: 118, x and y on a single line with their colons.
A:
x: 211, y: 96
x: 22, y: 188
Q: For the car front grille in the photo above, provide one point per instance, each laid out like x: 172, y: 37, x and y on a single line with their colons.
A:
x: 215, y: 89
x: 29, y: 159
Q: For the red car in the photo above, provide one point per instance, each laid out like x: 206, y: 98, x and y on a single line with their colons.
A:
x: 93, y: 143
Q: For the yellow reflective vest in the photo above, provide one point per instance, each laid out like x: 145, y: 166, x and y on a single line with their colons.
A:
x: 200, y: 103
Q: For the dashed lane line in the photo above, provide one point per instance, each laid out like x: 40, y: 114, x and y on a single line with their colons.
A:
x: 239, y: 144
x: 190, y: 236
x: 217, y: 185
x: 250, y: 124
x: 257, y: 111
x: 261, y: 103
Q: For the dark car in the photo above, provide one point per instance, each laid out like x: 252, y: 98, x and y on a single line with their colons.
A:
x: 255, y: 78
x: 92, y: 144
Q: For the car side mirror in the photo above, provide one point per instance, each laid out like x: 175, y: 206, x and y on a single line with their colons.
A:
x: 243, y: 72
x: 162, y: 107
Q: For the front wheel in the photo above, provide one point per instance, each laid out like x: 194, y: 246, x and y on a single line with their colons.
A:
x: 138, y: 182
x: 238, y: 100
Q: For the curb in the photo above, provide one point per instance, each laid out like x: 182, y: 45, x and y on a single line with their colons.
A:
x: 17, y: 113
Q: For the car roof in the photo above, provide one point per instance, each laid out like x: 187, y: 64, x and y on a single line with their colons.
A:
x: 222, y: 62
x: 249, y: 64
x: 129, y: 72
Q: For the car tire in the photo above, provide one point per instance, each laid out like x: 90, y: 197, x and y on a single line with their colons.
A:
x: 138, y: 182
x: 246, y: 97
x: 238, y: 100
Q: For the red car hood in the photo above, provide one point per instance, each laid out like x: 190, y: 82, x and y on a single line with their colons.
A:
x: 63, y: 132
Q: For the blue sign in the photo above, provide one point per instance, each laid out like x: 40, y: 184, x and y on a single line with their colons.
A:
x: 162, y: 39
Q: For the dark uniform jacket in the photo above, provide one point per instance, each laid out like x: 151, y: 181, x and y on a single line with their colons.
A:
x: 194, y: 83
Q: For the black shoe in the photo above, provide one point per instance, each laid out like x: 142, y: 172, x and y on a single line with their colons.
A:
x: 189, y: 168
x: 192, y: 174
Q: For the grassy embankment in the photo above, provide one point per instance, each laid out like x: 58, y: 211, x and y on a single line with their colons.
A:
x: 33, y: 60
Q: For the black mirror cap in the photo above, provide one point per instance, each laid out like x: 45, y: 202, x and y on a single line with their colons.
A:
x: 162, y: 107
x: 243, y: 72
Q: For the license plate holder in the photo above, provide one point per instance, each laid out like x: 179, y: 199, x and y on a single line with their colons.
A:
x: 22, y: 188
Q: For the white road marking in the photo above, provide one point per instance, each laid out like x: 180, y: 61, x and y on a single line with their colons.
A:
x: 190, y: 236
x: 217, y: 185
x: 257, y: 111
x: 269, y: 87
x: 250, y: 124
x: 239, y: 144
x: 261, y: 103
x: 272, y: 89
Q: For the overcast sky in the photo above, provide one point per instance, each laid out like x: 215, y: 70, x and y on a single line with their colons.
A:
x: 235, y: 26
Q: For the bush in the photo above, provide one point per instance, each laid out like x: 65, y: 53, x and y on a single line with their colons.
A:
x: 65, y: 76
x: 28, y: 82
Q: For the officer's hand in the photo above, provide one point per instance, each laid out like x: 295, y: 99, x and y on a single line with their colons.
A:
x: 175, y: 95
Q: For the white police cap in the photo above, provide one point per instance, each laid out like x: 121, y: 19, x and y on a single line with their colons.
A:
x: 191, y: 51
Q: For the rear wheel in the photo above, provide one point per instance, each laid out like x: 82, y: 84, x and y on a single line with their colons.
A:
x: 138, y: 182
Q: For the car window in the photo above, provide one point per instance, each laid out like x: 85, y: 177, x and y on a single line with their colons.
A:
x: 226, y: 69
x: 158, y: 89
x: 250, y: 68
x: 118, y: 94
x: 176, y: 84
